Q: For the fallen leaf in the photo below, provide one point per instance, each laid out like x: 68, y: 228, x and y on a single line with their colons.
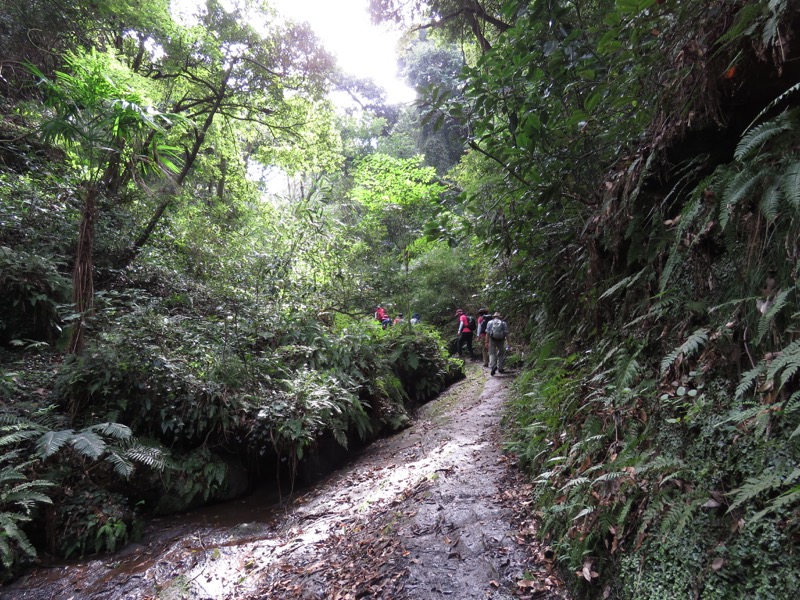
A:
x: 718, y: 564
x: 587, y: 570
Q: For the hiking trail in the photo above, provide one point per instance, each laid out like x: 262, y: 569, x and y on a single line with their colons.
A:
x: 435, y: 511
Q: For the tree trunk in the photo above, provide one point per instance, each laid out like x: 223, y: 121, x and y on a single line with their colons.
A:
x: 191, y: 156
x: 82, y: 280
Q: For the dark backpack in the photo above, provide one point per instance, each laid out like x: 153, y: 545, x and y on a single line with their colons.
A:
x: 482, y: 325
x: 471, y: 323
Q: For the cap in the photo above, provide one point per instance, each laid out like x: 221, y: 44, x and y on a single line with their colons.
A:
x: 459, y: 312
x: 483, y: 311
x: 497, y: 314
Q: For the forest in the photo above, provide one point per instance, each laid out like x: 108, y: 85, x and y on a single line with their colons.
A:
x: 194, y: 235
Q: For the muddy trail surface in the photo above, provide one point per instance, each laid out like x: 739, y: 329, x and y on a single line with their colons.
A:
x: 435, y: 511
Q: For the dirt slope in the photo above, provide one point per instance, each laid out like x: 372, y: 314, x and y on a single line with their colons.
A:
x: 432, y: 512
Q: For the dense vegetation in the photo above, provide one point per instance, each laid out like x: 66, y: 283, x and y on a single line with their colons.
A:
x: 621, y: 177
x: 175, y: 329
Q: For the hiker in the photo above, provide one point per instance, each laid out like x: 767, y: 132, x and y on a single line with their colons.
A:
x: 382, y: 317
x: 483, y: 320
x: 497, y: 332
x: 398, y: 319
x: 465, y: 333
x: 415, y: 318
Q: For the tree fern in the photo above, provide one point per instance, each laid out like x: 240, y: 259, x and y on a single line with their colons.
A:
x: 690, y: 347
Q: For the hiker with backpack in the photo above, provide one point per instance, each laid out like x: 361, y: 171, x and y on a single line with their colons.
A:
x: 497, y: 332
x: 483, y: 320
x: 466, y: 327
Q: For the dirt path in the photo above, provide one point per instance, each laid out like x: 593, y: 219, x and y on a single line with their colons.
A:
x: 432, y: 512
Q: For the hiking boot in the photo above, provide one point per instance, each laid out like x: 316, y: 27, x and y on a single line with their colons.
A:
x: 493, y: 370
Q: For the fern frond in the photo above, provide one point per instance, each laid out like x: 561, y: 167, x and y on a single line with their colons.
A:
x: 661, y: 464
x: 781, y: 300
x: 149, y: 456
x: 9, y: 529
x: 52, y: 441
x: 122, y: 466
x: 622, y: 516
x: 755, y: 486
x: 577, y: 481
x: 749, y: 378
x: 88, y: 444
x: 770, y: 201
x: 117, y: 431
x: 770, y: 30
x: 789, y: 498
x: 10, y: 475
x: 625, y: 282
x: 790, y: 184
x: 689, y: 214
x: 610, y: 476
x: 694, y: 342
x: 678, y: 515
x: 26, y: 496
x: 761, y: 134
x: 787, y: 364
x: 739, y: 188
x: 791, y: 404
x: 740, y: 416
x: 18, y: 437
x: 781, y: 97
x: 627, y: 369
x: 6, y: 554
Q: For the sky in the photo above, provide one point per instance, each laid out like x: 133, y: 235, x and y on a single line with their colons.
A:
x: 361, y: 48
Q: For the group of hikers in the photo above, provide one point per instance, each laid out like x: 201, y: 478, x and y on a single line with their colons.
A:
x: 386, y: 321
x: 492, y: 332
x: 491, y: 329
